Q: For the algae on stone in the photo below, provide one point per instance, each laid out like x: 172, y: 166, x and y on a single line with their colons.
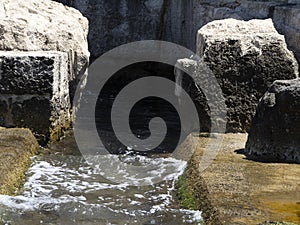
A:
x: 184, y: 194
x: 16, y: 147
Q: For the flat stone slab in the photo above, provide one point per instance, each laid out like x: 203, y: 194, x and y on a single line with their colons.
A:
x: 34, y: 92
x: 237, y: 190
x: 16, y: 147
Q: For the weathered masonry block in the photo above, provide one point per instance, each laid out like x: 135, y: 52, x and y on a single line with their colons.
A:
x: 245, y: 57
x: 275, y: 129
x: 34, y: 92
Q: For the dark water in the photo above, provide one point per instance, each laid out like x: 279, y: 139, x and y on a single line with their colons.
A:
x: 142, y: 112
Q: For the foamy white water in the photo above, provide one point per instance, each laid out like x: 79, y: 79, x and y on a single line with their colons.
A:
x: 67, y: 190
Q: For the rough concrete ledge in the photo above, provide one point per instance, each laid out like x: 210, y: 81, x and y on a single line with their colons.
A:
x: 237, y: 190
x: 16, y: 147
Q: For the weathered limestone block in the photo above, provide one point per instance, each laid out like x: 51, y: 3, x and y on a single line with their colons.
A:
x: 246, y: 58
x: 34, y: 92
x: 275, y: 129
x: 16, y: 147
x: 207, y: 98
x: 44, y: 25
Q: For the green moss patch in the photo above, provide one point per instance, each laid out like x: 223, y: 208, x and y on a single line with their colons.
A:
x: 184, y: 194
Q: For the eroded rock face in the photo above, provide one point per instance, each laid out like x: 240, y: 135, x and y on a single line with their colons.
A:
x: 275, y: 130
x: 34, y: 92
x: 287, y: 22
x: 44, y: 25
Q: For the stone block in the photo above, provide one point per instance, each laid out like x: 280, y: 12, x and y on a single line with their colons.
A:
x: 43, y: 25
x: 246, y: 58
x: 275, y: 130
x: 34, y: 92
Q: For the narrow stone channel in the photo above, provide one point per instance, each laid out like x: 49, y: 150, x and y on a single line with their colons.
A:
x: 66, y: 190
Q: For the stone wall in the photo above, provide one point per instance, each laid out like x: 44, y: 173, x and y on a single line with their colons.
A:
x: 112, y: 23
x: 287, y: 22
x: 121, y: 21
